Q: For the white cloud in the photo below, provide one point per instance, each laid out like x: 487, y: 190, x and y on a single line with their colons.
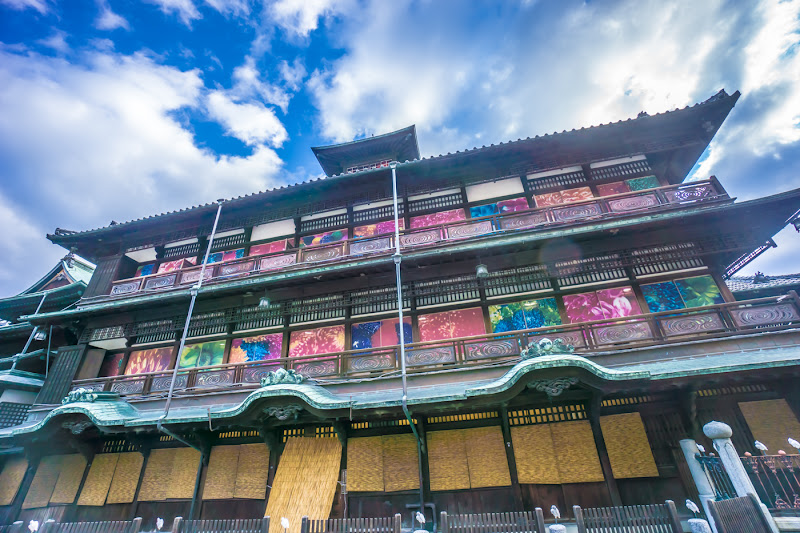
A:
x: 107, y: 19
x: 42, y: 6
x: 251, y: 123
x: 248, y: 84
x: 16, y: 243
x: 57, y: 42
x: 294, y: 74
x: 184, y: 9
x: 85, y: 144
x: 237, y: 8
x: 301, y: 17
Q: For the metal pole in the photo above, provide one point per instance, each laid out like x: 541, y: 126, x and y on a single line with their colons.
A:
x: 33, y: 333
x: 195, y: 290
x: 47, y: 357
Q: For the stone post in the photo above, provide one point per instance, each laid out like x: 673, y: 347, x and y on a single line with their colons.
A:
x: 720, y: 434
x: 704, y: 488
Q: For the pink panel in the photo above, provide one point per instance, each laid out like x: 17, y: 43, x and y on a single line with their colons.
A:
x: 451, y: 324
x: 442, y: 217
x: 170, y: 266
x: 583, y: 307
x: 618, y: 187
x: 152, y: 360
x: 381, y: 228
x: 618, y: 302
x: 316, y: 341
x: 576, y: 195
x: 547, y: 199
x: 268, y: 248
x: 515, y: 204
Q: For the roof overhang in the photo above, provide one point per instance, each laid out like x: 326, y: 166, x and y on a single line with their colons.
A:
x: 400, y: 145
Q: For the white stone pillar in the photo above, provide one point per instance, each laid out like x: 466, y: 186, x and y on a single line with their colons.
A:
x: 720, y: 434
x: 704, y: 488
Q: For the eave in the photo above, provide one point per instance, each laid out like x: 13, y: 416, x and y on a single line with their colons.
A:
x: 14, y: 306
x: 400, y: 145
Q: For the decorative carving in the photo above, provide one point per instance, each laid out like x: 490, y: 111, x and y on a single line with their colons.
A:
x: 546, y: 346
x: 161, y: 383
x: 692, y: 324
x: 370, y: 246
x: 369, y: 363
x: 193, y: 276
x: 160, y: 283
x: 577, y: 212
x: 209, y: 379
x: 254, y: 374
x: 317, y: 368
x: 553, y: 387
x: 690, y: 194
x: 489, y: 349
x: 126, y: 288
x: 77, y: 427
x: 284, y: 412
x: 81, y: 395
x: 431, y: 356
x: 574, y: 338
x: 631, y: 331
x: 282, y: 377
x: 275, y: 262
x: 632, y: 203
x: 764, y: 315
x: 463, y: 231
x: 323, y: 253
x: 129, y: 386
x: 419, y: 238
x: 236, y: 268
x: 524, y: 221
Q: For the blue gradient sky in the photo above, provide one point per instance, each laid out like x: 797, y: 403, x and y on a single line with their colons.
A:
x: 118, y: 109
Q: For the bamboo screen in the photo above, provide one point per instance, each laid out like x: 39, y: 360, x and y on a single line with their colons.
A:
x: 221, y: 473
x: 467, y: 458
x: 387, y: 463
x: 628, y: 448
x: 11, y: 478
x: 44, y: 481
x: 69, y: 479
x: 99, y: 479
x: 126, y: 478
x: 771, y: 422
x: 305, y: 483
x: 170, y: 474
x: 563, y: 452
x: 252, y: 472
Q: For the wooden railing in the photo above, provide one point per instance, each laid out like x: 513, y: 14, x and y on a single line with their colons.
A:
x: 714, y: 321
x: 559, y: 215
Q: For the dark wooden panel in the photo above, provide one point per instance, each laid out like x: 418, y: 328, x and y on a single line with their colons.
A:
x: 382, y: 504
x: 232, y: 509
x: 105, y: 513
x: 62, y: 373
x: 644, y: 491
x: 544, y: 496
x: 490, y: 500
x: 104, y: 273
x: 58, y: 513
x: 149, y: 511
x: 594, y: 494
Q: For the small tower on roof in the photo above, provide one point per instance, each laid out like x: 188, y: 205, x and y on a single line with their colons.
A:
x: 368, y: 153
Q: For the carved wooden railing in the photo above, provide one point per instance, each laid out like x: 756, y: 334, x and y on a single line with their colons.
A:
x: 714, y: 321
x: 530, y: 219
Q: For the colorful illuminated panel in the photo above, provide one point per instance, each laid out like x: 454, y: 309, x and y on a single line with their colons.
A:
x: 576, y: 195
x: 316, y: 341
x: 514, y: 204
x: 483, y: 210
x: 269, y: 247
x: 171, y: 266
x: 442, y: 217
x: 145, y: 270
x: 548, y: 199
x: 640, y: 184
x: 112, y: 365
x: 380, y: 333
x: 606, y: 303
x: 227, y: 255
x: 524, y: 315
x: 451, y: 324
x: 203, y: 354
x: 379, y: 228
x: 696, y: 291
x: 324, y: 238
x: 662, y: 297
x: 152, y: 360
x: 257, y: 348
x: 609, y: 189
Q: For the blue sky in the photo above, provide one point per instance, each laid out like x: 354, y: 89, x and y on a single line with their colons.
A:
x: 118, y: 109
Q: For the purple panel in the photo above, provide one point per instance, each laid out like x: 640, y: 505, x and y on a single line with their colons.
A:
x: 430, y: 356
x: 524, y: 221
x: 577, y: 212
x: 161, y: 282
x: 463, y: 231
x: 691, y: 324
x: 632, y: 203
x: 421, y: 237
x: 765, y: 315
x: 489, y: 349
x: 194, y: 275
x: 322, y: 253
x: 127, y: 287
x: 370, y: 246
x: 277, y: 261
x: 630, y: 331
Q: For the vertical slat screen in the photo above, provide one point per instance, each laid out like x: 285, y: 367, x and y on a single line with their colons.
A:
x: 44, y: 481
x: 11, y: 478
x: 126, y: 478
x: 99, y: 479
x: 400, y: 462
x: 69, y: 480
x: 628, y: 447
x: 104, y: 274
x: 535, y: 454
x: 62, y: 373
x: 252, y: 472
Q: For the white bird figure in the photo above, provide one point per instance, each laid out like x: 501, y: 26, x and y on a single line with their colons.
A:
x: 420, y: 517
x: 285, y: 523
x: 159, y: 523
x: 701, y: 448
x: 33, y: 526
x: 793, y: 443
x: 555, y: 512
x: 760, y: 446
x: 692, y: 507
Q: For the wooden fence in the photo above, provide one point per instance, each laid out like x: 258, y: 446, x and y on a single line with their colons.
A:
x: 659, y: 518
x: 520, y: 522
x: 351, y: 525
x: 123, y: 526
x: 248, y: 525
x: 739, y: 515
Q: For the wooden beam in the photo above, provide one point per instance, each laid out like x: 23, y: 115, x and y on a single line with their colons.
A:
x: 511, y: 457
x: 602, y: 451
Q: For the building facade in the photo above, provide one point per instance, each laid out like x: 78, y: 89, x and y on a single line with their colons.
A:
x: 564, y: 310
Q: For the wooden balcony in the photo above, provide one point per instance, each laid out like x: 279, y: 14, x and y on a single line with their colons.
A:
x: 652, y: 329
x: 601, y: 208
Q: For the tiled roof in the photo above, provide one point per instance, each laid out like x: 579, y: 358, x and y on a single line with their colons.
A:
x: 745, y: 283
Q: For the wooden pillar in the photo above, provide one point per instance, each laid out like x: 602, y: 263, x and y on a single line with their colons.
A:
x: 511, y: 458
x: 602, y: 452
x: 425, y: 482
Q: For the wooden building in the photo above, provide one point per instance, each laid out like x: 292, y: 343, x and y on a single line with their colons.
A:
x: 288, y: 396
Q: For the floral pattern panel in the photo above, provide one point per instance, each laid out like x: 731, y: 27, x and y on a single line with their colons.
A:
x: 451, y: 324
x: 578, y: 194
x: 171, y: 266
x: 610, y: 189
x: 145, y: 270
x: 324, y: 238
x: 379, y: 228
x: 640, y: 184
x: 202, y: 354
x: 316, y: 341
x: 442, y: 217
x: 380, y: 333
x: 112, y: 365
x: 257, y: 348
x: 547, y: 199
x: 227, y: 255
x: 514, y: 204
x: 483, y: 210
x: 524, y: 315
x: 662, y: 297
x: 606, y: 303
x: 152, y: 360
x: 269, y: 247
x: 696, y: 291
